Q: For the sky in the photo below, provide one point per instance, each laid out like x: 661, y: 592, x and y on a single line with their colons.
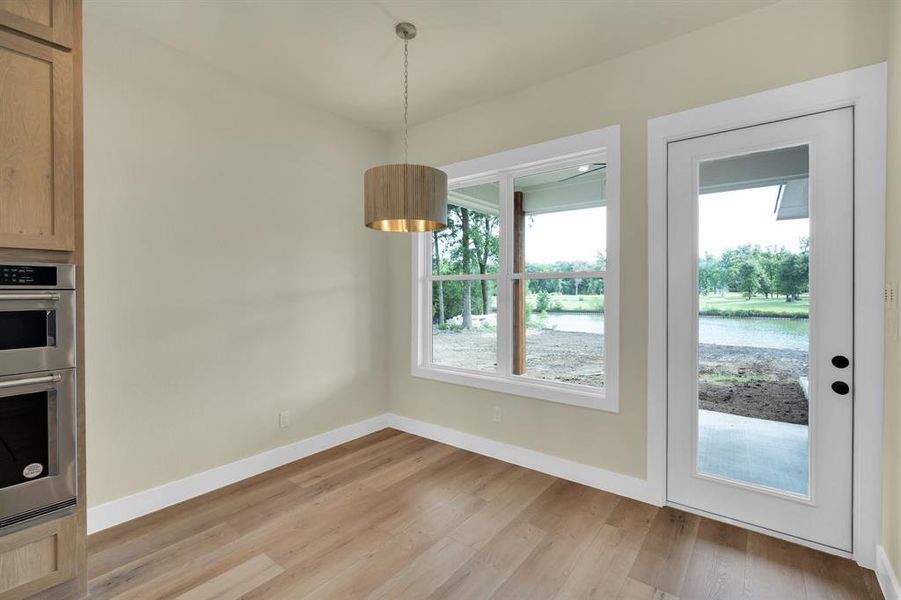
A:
x: 570, y: 235
x: 726, y: 220
x: 731, y: 219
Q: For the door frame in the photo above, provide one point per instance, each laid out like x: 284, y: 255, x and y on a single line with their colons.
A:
x: 864, y: 90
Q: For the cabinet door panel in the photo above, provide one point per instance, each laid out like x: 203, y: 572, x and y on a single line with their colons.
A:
x: 37, y: 558
x: 49, y: 20
x: 36, y: 146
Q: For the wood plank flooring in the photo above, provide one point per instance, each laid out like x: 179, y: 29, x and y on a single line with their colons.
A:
x: 392, y: 515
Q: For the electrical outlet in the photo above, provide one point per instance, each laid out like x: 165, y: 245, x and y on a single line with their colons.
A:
x: 284, y: 419
x: 496, y: 415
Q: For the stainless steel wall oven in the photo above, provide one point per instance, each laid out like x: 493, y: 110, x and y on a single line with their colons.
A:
x: 38, y: 412
x: 37, y: 318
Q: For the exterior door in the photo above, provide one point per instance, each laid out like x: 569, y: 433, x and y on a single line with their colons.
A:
x: 760, y: 326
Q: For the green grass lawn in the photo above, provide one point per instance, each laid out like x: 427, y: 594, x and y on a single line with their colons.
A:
x: 568, y: 303
x: 737, y: 305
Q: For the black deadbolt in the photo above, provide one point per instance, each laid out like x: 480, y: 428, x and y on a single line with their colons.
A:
x: 840, y: 361
x: 840, y: 387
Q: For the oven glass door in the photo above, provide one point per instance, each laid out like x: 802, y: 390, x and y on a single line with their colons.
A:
x: 37, y: 441
x: 37, y: 331
x: 21, y: 329
x: 26, y: 421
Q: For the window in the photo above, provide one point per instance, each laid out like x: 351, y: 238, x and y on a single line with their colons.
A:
x: 520, y: 293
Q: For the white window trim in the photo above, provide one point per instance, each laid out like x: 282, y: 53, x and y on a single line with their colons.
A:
x: 601, y: 144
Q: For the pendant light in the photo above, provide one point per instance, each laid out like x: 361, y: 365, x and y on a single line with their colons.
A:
x: 405, y: 197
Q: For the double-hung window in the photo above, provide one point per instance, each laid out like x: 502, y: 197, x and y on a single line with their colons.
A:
x: 520, y: 293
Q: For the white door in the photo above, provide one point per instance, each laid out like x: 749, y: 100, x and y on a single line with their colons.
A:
x: 760, y: 326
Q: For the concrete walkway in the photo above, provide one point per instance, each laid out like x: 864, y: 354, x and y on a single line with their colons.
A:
x: 754, y: 451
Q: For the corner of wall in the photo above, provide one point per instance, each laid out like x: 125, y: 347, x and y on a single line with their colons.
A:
x: 890, y: 550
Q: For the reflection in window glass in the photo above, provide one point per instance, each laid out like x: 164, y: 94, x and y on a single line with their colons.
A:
x: 464, y: 324
x: 470, y: 244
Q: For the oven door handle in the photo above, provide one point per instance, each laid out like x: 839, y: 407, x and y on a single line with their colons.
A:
x: 54, y: 297
x: 54, y: 378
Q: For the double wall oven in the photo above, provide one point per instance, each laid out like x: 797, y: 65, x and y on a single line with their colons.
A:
x: 38, y: 420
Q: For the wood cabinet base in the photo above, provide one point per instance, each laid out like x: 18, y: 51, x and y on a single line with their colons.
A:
x: 35, y: 559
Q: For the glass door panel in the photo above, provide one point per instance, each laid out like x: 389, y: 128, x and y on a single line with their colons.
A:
x: 20, y: 329
x: 24, y: 437
x: 753, y: 319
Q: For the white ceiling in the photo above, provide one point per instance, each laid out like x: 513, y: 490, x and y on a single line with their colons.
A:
x: 343, y: 56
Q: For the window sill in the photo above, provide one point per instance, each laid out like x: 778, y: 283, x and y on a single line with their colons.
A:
x: 530, y: 388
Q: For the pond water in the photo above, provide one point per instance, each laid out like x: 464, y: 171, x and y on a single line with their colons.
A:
x: 788, y: 334
x: 586, y: 323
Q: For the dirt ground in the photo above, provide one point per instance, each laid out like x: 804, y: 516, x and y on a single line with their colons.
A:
x: 553, y: 355
x: 752, y: 382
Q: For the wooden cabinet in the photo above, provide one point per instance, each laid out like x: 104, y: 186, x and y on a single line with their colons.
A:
x: 37, y: 558
x: 41, y: 215
x: 37, y: 145
x: 49, y: 20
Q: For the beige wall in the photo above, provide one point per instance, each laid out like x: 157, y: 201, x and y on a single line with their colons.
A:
x: 223, y: 246
x: 891, y: 522
x: 228, y: 272
x: 774, y: 46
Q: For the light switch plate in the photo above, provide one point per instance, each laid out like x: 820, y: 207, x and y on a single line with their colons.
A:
x: 891, y: 311
x: 891, y: 296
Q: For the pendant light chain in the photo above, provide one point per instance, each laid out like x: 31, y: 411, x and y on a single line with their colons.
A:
x: 406, y: 102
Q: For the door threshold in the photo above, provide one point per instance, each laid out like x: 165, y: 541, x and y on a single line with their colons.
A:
x: 763, y: 530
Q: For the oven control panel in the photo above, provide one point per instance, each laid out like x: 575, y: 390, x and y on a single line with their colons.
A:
x: 27, y: 275
x: 58, y: 276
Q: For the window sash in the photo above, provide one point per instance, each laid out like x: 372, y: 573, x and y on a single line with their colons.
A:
x: 503, y: 380
x: 473, y: 277
x: 542, y: 275
x: 506, y: 276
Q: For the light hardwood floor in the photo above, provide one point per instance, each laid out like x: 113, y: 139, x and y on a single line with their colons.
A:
x: 393, y: 515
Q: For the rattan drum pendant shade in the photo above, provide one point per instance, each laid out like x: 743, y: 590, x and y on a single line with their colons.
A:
x: 405, y: 197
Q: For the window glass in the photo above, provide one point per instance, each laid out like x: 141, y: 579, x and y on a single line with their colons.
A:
x: 560, y: 219
x: 469, y: 245
x: 564, y: 331
x: 464, y: 324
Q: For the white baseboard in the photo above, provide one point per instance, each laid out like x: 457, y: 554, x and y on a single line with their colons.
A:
x: 602, y: 479
x: 888, y: 581
x: 136, y: 505
x: 142, y: 503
